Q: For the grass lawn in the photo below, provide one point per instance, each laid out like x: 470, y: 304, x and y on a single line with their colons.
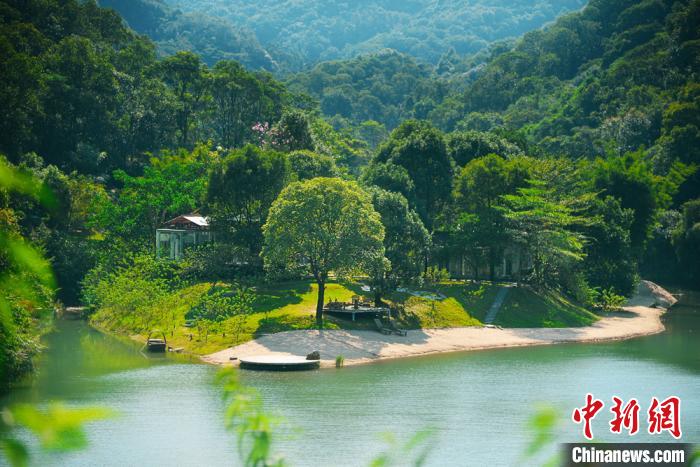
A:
x: 525, y: 308
x: 291, y: 305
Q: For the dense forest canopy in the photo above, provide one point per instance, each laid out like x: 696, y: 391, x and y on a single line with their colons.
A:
x: 211, y: 37
x: 300, y: 33
x: 576, y: 144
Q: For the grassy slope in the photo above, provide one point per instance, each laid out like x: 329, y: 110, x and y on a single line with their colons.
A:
x: 523, y: 308
x: 290, y: 305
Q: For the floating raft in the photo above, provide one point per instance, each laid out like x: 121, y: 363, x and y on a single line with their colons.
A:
x: 278, y: 363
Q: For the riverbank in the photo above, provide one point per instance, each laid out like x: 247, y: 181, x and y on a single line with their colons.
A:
x: 641, y: 317
x: 290, y: 306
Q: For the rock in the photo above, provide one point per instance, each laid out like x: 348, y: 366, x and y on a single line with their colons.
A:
x: 652, y: 295
x: 662, y: 297
x: 315, y: 355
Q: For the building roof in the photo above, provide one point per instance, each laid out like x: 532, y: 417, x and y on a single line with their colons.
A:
x: 187, y: 221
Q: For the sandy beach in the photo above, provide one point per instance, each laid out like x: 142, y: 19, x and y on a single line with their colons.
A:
x: 641, y: 317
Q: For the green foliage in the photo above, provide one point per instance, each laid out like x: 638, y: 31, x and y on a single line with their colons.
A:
x: 541, y: 424
x: 242, y: 187
x: 686, y: 240
x: 406, y: 240
x: 125, y: 297
x: 607, y: 300
x: 172, y: 184
x: 26, y: 280
x: 211, y: 37
x: 246, y: 416
x: 609, y: 260
x: 417, y: 449
x: 479, y: 229
x: 307, y: 165
x: 219, y: 305
x: 339, y: 361
x: 292, y: 132
x: 382, y: 87
x: 420, y: 149
x: 322, y: 225
x: 544, y: 223
x: 464, y: 146
x: 301, y: 34
x: 434, y: 275
x: 89, y: 94
x: 57, y: 428
x: 241, y: 99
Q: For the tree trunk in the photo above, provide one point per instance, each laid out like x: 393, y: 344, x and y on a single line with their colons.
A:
x: 378, y: 296
x: 319, y: 303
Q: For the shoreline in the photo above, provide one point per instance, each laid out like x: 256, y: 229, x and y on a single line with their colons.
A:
x: 641, y: 317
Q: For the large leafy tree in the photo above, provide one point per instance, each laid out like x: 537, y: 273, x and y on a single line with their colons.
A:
x: 546, y: 223
x: 240, y: 100
x: 307, y: 164
x: 480, y: 224
x: 463, y: 146
x: 406, y: 240
x: 188, y: 78
x: 321, y: 226
x: 609, y: 260
x: 241, y: 190
x: 420, y: 148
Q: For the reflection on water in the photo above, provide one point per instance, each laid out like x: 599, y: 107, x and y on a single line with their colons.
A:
x: 478, y: 402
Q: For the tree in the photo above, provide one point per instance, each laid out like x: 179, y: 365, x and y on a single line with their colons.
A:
x: 241, y: 190
x: 185, y: 73
x: 630, y: 179
x: 545, y: 224
x: 389, y: 177
x: 480, y: 222
x: 686, y: 240
x: 420, y: 148
x: 464, y: 146
x: 26, y: 280
x: 292, y: 132
x: 406, y: 240
x: 321, y: 226
x: 609, y: 258
x: 307, y: 164
x: 240, y: 100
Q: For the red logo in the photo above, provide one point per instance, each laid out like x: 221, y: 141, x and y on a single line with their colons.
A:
x: 662, y: 416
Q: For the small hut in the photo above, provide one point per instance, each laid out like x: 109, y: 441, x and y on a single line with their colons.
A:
x: 180, y: 233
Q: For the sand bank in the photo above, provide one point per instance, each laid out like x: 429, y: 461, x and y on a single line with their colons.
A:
x: 642, y: 317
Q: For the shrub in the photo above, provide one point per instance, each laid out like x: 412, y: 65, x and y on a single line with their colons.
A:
x: 435, y: 275
x: 607, y: 300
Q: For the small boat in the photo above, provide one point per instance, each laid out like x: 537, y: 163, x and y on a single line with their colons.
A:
x: 155, y: 344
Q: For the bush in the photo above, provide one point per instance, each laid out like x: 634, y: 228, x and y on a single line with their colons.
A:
x: 607, y: 300
x: 435, y: 275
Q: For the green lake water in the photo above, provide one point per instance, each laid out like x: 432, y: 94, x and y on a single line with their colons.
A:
x: 477, y: 403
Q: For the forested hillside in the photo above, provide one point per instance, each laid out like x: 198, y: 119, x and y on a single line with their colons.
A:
x: 618, y: 75
x: 575, y: 146
x: 302, y: 33
x: 386, y: 87
x: 211, y: 37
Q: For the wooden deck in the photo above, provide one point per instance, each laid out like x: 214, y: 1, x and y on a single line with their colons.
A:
x: 362, y: 312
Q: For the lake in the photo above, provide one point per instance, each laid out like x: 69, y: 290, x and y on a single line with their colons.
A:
x: 476, y: 403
